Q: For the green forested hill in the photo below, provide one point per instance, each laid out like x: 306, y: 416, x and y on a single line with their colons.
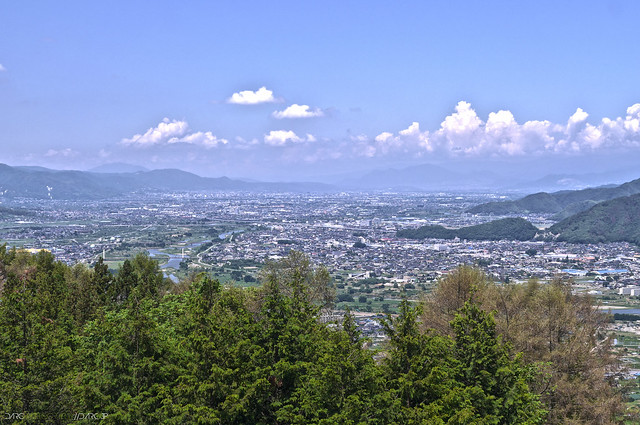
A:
x: 506, y: 228
x: 557, y: 202
x: 617, y: 220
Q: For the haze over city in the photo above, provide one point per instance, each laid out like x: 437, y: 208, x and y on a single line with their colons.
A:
x: 321, y: 91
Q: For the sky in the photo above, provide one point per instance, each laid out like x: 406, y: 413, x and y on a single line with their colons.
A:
x: 292, y: 90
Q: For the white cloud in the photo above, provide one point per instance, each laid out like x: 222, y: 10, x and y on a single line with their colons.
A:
x: 464, y: 133
x: 206, y: 139
x: 171, y: 132
x: 283, y: 137
x: 248, y: 97
x: 65, y: 153
x: 298, y: 111
x: 2, y: 68
x: 162, y: 133
x: 460, y: 131
x: 409, y: 141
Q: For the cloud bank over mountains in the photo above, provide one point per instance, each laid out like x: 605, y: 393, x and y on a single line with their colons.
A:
x: 463, y: 134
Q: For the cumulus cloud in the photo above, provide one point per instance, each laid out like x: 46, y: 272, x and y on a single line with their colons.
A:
x: 464, y: 133
x: 284, y: 137
x: 298, y: 111
x: 170, y: 132
x: 248, y: 97
x: 408, y: 141
x: 162, y: 133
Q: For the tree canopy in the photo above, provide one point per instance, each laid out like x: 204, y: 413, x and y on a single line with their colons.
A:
x: 133, y: 349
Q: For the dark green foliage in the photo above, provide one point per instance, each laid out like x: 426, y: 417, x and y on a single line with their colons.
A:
x: 506, y: 228
x: 223, y: 355
x: 626, y: 317
x: 468, y: 379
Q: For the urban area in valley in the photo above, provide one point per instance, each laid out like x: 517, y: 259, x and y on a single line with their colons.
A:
x: 232, y: 235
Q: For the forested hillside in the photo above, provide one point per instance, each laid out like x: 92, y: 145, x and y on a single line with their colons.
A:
x: 617, y: 220
x: 507, y: 228
x: 137, y: 349
x: 563, y: 203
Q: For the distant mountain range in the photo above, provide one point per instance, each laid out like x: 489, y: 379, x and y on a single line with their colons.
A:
x: 425, y: 177
x: 117, y: 167
x: 43, y: 183
x: 564, y: 203
x: 479, y: 177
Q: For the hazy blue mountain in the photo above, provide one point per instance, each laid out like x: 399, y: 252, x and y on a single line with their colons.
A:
x: 118, y: 167
x: 562, y: 203
x: 32, y: 168
x: 423, y: 177
x: 573, y: 181
x: 31, y: 182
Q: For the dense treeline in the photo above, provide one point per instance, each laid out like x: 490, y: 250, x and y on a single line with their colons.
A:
x: 513, y: 228
x: 141, y: 350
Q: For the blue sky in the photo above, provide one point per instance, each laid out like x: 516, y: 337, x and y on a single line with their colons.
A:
x: 320, y: 87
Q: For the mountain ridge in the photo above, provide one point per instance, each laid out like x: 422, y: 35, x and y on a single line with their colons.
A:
x: 561, y: 203
x: 42, y: 183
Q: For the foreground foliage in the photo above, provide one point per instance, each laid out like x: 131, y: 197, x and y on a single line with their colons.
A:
x: 127, y: 348
x: 562, y: 332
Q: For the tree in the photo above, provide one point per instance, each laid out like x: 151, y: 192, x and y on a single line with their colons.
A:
x: 297, y: 267
x: 551, y: 326
x: 141, y: 272
x: 35, y: 333
x: 498, y: 386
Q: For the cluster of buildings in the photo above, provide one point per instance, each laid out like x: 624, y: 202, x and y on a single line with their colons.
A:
x: 352, y: 234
